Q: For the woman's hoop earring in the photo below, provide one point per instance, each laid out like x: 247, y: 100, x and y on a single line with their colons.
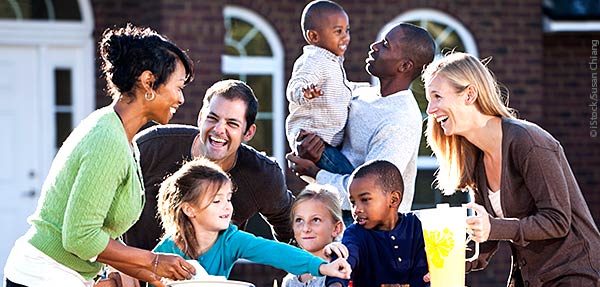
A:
x: 149, y: 98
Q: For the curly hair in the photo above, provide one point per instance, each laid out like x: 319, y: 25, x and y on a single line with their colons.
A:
x: 129, y: 51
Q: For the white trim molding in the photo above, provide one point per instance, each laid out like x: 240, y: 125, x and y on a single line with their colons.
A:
x: 58, y: 43
x: 36, y: 32
x: 552, y: 26
x: 254, y: 65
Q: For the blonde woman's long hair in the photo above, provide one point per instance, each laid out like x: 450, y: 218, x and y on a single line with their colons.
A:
x: 455, y: 154
x: 197, y: 180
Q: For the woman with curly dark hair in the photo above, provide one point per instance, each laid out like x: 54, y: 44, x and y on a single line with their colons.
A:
x: 94, y: 192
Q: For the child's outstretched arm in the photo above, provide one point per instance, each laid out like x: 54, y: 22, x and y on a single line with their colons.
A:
x: 338, y: 268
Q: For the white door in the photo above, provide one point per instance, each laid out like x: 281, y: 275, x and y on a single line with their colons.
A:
x: 43, y: 96
x: 19, y: 148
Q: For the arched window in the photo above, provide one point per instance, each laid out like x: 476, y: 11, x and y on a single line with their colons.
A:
x: 449, y: 35
x: 254, y: 54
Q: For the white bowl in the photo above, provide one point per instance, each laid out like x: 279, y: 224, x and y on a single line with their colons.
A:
x: 209, y: 283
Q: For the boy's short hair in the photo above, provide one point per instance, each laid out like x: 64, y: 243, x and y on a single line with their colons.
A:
x: 385, y: 173
x: 313, y: 13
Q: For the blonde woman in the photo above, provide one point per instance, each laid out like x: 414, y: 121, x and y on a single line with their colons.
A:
x: 525, y: 192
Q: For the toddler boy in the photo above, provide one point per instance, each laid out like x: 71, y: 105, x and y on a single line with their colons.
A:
x: 318, y: 91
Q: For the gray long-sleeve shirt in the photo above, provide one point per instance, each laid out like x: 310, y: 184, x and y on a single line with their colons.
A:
x: 380, y: 128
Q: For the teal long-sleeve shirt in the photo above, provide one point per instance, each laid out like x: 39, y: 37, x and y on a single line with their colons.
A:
x: 233, y: 244
x: 93, y: 192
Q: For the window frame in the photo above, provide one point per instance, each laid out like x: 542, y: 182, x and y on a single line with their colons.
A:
x: 262, y: 65
x: 62, y: 32
x: 555, y: 26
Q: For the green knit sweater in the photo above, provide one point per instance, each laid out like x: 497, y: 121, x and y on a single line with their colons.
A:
x: 93, y: 192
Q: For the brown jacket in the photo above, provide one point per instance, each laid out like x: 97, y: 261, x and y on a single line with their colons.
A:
x: 547, y: 222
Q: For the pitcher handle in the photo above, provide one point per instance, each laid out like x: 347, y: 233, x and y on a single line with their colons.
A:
x: 476, y: 254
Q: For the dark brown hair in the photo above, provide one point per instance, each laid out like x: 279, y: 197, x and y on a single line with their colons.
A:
x: 129, y: 51
x: 234, y: 90
x: 196, y: 180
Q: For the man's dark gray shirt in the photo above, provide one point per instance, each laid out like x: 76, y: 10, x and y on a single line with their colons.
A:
x: 259, y: 182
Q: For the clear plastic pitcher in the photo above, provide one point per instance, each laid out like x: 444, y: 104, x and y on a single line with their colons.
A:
x: 445, y: 234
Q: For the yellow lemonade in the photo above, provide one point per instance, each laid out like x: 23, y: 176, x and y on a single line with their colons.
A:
x: 445, y: 257
x: 444, y: 233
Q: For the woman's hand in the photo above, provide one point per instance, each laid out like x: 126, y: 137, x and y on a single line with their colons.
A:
x: 478, y: 226
x: 173, y: 267
x: 338, y: 268
x: 119, y: 279
x: 145, y: 265
x: 335, y: 247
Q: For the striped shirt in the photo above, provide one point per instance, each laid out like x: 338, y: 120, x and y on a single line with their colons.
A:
x: 326, y: 115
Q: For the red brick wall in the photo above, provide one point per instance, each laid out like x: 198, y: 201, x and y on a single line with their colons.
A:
x: 111, y: 13
x: 567, y: 111
x: 512, y: 36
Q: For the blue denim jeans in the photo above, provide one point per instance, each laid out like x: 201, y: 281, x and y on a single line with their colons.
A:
x: 334, y: 161
x: 8, y: 283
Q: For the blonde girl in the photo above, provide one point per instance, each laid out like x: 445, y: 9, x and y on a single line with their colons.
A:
x: 317, y: 222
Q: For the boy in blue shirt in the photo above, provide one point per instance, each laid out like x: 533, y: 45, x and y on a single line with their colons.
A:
x: 385, y: 246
